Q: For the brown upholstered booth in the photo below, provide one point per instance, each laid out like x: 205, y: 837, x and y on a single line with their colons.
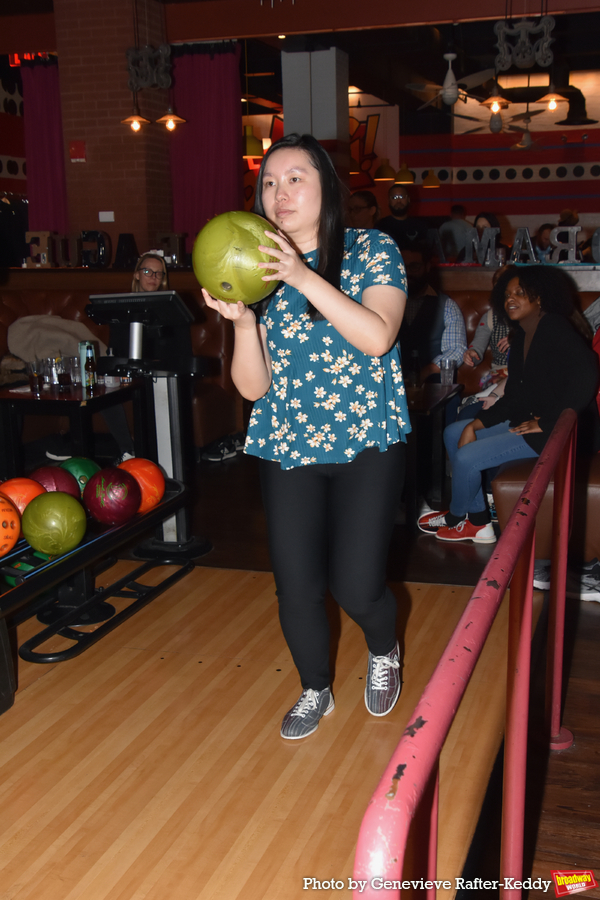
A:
x: 584, y: 542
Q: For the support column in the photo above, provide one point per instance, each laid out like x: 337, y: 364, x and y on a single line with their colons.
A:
x: 315, y: 100
x: 125, y: 173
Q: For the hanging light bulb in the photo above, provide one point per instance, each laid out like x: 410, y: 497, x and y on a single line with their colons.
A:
x: 135, y: 120
x: 552, y: 98
x: 170, y: 120
x: 495, y: 102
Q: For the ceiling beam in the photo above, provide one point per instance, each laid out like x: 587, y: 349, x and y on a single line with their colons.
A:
x: 222, y: 19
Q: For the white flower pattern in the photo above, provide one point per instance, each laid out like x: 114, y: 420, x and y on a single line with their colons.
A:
x: 333, y: 400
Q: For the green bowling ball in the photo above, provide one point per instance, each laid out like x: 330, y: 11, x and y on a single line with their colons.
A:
x: 81, y: 468
x: 226, y: 254
x: 55, y: 524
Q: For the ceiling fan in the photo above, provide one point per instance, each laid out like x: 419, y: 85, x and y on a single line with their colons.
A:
x: 526, y: 141
x: 452, y: 90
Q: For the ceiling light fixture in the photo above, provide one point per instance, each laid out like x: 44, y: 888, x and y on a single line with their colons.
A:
x: 495, y: 102
x: 431, y: 180
x: 170, y: 120
x: 135, y: 120
x: 552, y: 98
x: 404, y: 175
x: 384, y: 171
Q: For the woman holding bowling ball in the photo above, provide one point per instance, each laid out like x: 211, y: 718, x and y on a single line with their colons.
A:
x: 330, y: 419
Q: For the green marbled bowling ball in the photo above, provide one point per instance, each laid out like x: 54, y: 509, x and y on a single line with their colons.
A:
x: 226, y: 254
x: 54, y: 523
x: 81, y: 468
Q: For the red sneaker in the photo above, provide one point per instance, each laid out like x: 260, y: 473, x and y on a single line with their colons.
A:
x: 431, y: 521
x: 466, y: 531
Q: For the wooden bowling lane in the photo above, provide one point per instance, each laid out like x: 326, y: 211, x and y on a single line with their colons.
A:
x: 152, y: 767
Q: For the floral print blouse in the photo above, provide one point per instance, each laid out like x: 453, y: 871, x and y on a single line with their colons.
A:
x: 327, y: 400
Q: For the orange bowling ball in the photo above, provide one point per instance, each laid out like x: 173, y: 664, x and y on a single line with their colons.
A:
x: 10, y: 525
x: 21, y: 491
x: 150, y: 479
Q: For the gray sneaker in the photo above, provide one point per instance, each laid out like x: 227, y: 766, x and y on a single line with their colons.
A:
x: 541, y: 574
x: 384, y: 682
x: 583, y: 587
x: 303, y: 718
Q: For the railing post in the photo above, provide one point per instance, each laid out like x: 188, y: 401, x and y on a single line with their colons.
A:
x: 517, y: 715
x: 433, y: 834
x: 564, y: 475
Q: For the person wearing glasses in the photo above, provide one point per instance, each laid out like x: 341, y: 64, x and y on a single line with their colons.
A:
x: 363, y: 210
x: 150, y: 273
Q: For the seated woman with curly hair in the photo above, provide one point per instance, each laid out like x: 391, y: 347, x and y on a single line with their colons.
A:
x: 551, y: 367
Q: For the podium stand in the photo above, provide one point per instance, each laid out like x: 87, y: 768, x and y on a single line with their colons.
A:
x: 150, y: 337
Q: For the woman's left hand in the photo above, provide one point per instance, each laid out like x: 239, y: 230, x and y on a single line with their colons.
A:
x: 287, y: 265
x: 529, y: 427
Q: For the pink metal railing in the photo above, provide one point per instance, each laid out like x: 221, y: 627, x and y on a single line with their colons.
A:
x: 384, y: 830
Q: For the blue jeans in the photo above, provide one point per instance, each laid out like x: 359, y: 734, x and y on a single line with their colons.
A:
x: 494, y: 447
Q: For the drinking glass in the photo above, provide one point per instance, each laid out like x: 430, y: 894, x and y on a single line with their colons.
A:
x: 35, y: 371
x: 447, y: 371
x: 75, y: 368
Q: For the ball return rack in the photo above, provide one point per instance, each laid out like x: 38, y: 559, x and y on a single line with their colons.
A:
x: 61, y: 590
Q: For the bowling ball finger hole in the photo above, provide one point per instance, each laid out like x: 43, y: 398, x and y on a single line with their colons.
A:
x: 226, y: 286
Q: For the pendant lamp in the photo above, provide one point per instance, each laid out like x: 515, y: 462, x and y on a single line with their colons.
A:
x: 431, y: 180
x: 384, y: 172
x: 404, y: 175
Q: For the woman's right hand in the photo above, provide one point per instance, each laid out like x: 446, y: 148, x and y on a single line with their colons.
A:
x: 238, y: 313
x: 471, y: 357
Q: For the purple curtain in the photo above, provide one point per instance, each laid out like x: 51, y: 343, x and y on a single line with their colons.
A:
x: 206, y: 152
x: 44, y: 148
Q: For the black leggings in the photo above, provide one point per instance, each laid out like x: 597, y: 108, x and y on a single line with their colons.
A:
x: 331, y: 525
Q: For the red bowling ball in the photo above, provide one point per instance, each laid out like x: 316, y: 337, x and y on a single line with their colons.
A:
x: 55, y: 478
x: 112, y: 496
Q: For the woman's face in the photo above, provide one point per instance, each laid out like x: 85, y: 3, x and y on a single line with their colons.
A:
x: 150, y: 274
x: 517, y: 304
x: 291, y: 195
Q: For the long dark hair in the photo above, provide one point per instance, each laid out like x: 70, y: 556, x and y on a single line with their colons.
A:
x: 330, y: 233
x: 555, y: 289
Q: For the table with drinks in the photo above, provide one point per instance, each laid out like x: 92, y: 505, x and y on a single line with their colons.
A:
x: 78, y: 403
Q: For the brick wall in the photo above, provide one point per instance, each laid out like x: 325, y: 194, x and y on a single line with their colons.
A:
x: 126, y: 173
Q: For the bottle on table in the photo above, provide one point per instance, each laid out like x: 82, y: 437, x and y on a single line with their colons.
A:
x: 89, y: 372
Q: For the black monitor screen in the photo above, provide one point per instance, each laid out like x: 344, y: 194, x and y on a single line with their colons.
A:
x: 148, y: 307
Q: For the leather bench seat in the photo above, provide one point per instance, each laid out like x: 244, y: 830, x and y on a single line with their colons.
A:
x: 584, y: 542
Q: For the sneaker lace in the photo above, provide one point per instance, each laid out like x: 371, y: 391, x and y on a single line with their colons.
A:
x: 379, y: 676
x: 307, y: 702
x: 437, y: 521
